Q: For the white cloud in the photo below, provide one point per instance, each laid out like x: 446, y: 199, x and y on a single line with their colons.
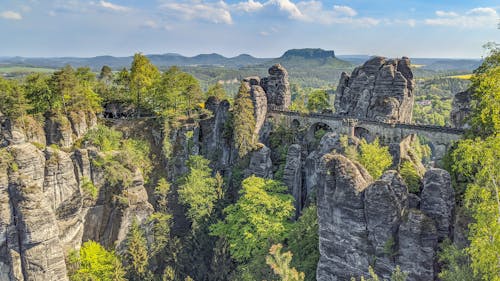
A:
x: 345, y: 10
x: 11, y: 15
x: 212, y: 12
x: 149, y: 24
x: 264, y: 33
x: 249, y: 6
x: 288, y: 7
x: 474, y: 18
x: 446, y: 14
x: 313, y: 11
x: 114, y: 7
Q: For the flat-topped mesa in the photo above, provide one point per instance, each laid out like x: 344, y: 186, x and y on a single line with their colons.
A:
x: 380, y: 89
x: 277, y: 88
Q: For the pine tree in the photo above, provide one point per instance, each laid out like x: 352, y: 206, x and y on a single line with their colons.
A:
x: 244, y: 121
x: 137, y: 253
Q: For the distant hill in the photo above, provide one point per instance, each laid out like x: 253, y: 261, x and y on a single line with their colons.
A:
x: 162, y: 61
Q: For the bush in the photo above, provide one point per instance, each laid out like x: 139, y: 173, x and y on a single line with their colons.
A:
x: 89, y: 188
x: 411, y: 177
x: 374, y: 157
x: 106, y: 139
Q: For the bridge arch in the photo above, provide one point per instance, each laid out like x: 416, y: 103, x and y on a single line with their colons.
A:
x: 317, y: 130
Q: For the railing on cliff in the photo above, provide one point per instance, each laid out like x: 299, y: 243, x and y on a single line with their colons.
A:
x: 431, y: 128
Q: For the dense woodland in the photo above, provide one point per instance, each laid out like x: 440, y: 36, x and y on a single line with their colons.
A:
x: 242, y: 229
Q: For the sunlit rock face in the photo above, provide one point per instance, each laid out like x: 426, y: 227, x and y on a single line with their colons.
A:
x: 380, y: 89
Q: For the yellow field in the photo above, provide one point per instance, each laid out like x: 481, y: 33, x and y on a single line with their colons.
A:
x: 417, y: 65
x: 463, y: 76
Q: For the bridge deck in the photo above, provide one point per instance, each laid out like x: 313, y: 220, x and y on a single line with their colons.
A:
x: 429, y: 128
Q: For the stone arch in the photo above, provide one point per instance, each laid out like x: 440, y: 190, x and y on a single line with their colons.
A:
x: 295, y: 124
x: 317, y: 130
x: 363, y: 133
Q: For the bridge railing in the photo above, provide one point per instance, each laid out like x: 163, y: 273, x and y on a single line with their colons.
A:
x: 434, y: 128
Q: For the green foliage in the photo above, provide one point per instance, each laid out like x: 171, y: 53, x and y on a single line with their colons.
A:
x: 95, y: 263
x: 485, y: 117
x: 89, y: 188
x: 260, y: 215
x: 105, y: 138
x: 397, y: 275
x: 136, y: 255
x: 161, y: 192
x: 280, y: 263
x: 176, y: 94
x: 318, y: 101
x: 39, y: 94
x: 303, y: 241
x: 13, y: 104
x: 217, y: 91
x: 374, y: 157
x: 456, y: 263
x: 244, y: 121
x: 199, y: 190
x: 479, y: 161
x: 160, y: 223
x: 350, y: 151
x: 389, y: 247
x: 410, y: 175
x: 143, y: 75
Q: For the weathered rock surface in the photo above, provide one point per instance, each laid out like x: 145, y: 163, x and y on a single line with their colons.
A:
x: 259, y: 100
x: 377, y: 224
x: 292, y: 175
x: 380, y: 89
x: 438, y: 200
x: 260, y: 163
x: 460, y: 109
x: 343, y: 246
x: 417, y: 246
x: 277, y: 87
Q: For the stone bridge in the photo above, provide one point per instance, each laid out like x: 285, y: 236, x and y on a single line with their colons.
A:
x: 438, y: 138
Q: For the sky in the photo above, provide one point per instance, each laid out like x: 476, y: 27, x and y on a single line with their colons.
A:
x: 262, y: 28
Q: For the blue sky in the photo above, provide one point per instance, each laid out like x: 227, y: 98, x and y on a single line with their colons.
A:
x: 263, y: 28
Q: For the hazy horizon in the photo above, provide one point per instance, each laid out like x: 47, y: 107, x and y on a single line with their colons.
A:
x: 261, y: 28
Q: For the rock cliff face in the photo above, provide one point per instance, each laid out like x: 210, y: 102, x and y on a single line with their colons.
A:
x: 460, y: 109
x: 364, y: 223
x: 277, y: 87
x: 44, y: 213
x: 380, y: 89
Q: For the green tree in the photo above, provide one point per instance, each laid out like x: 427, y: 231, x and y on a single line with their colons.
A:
x: 479, y: 160
x: 374, y: 157
x: 13, y: 104
x: 95, y: 263
x: 217, y: 91
x: 39, y: 94
x: 410, y: 175
x: 317, y: 101
x: 303, y: 241
x: 136, y: 254
x: 280, y: 263
x: 143, y: 75
x: 244, y: 121
x: 258, y: 217
x: 199, y: 190
x: 456, y: 265
x: 63, y: 84
x: 485, y: 116
x: 106, y: 74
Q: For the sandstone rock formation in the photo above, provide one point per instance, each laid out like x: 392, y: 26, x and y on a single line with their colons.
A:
x: 292, y: 175
x: 260, y: 163
x: 277, y: 87
x: 43, y: 210
x: 365, y: 224
x: 460, y: 109
x: 380, y: 89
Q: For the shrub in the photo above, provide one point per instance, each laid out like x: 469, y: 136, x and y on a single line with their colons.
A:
x: 410, y: 175
x: 374, y: 157
x: 106, y: 139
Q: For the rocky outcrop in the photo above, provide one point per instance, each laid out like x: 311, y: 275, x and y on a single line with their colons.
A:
x: 460, y: 109
x: 343, y: 246
x: 378, y: 224
x: 380, y: 89
x: 260, y: 163
x: 259, y: 100
x: 292, y: 175
x: 277, y: 87
x: 438, y: 200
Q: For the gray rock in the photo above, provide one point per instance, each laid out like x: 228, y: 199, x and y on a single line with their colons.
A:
x: 438, y: 200
x: 277, y: 87
x: 460, y: 109
x: 292, y: 175
x: 259, y: 100
x: 58, y: 131
x: 417, y: 246
x: 380, y: 89
x: 260, y: 163
x: 385, y: 203
x: 343, y: 236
